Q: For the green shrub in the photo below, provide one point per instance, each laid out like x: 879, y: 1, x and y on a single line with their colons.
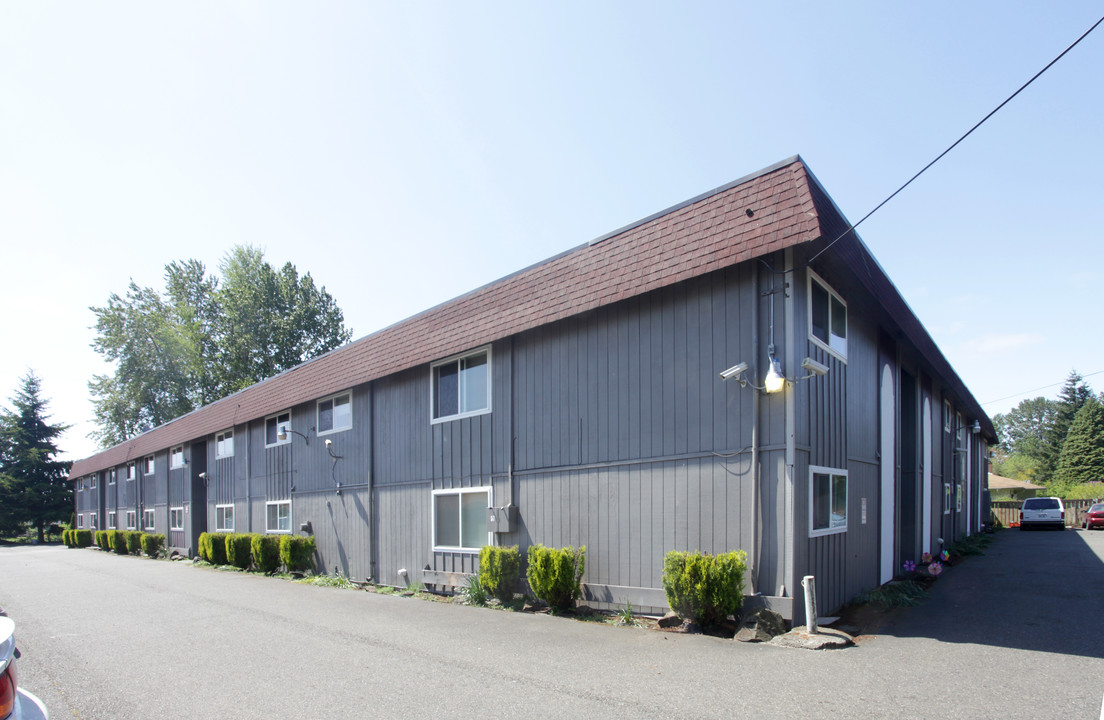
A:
x: 134, y: 542
x: 474, y: 591
x: 117, y: 540
x: 266, y: 552
x: 704, y: 588
x: 100, y: 539
x: 500, y: 570
x: 554, y: 574
x: 238, y: 551
x: 297, y: 553
x: 212, y: 547
x: 153, y: 544
x: 82, y: 538
x: 66, y: 537
x: 111, y: 538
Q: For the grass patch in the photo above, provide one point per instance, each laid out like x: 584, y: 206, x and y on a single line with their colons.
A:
x: 973, y: 545
x: 337, y: 581
x: 902, y: 593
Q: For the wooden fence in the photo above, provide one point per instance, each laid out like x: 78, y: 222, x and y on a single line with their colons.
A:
x: 1008, y: 511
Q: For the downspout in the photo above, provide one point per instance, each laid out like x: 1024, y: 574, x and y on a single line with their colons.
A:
x: 756, y: 510
x: 791, y: 415
x: 371, y: 468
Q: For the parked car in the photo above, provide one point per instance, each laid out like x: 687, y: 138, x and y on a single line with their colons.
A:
x: 1093, y: 517
x: 1042, y: 512
x: 15, y: 702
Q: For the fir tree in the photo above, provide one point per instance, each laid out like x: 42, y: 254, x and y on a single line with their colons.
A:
x: 1073, y: 395
x: 1082, y: 456
x: 36, y: 488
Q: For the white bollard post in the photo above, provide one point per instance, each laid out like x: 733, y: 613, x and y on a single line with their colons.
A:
x: 809, y: 583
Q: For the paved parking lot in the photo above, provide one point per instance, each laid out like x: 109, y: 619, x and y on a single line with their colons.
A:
x: 113, y: 638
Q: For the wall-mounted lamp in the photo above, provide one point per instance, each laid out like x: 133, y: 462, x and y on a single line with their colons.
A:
x: 814, y: 368
x: 976, y: 429
x: 282, y: 435
x: 203, y: 476
x: 774, y: 380
x: 736, y: 372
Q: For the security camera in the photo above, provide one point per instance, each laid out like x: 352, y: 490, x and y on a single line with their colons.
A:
x: 734, y: 372
x: 814, y: 367
x: 203, y: 476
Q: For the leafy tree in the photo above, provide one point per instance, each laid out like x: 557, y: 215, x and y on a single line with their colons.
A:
x: 204, y: 338
x: 1082, y: 455
x: 1023, y: 431
x: 34, y: 486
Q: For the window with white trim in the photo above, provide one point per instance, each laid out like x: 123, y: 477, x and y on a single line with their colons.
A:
x: 80, y: 521
x: 460, y: 519
x: 148, y: 465
x: 278, y: 516
x: 132, y: 471
x: 147, y: 519
x: 461, y: 386
x: 276, y: 426
x: 112, y: 474
x: 92, y: 521
x: 224, y: 444
x: 176, y: 518
x: 110, y: 519
x: 827, y: 500
x: 176, y: 457
x: 335, y: 413
x: 132, y: 519
x: 80, y: 484
x: 91, y: 482
x: 224, y: 518
x: 827, y: 317
x: 946, y: 498
x: 958, y: 497
x: 947, y: 415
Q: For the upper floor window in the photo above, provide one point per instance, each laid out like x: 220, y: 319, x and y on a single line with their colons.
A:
x: 461, y: 386
x: 335, y: 413
x: 92, y: 482
x: 948, y: 414
x: 224, y: 444
x: 176, y: 457
x: 132, y: 471
x: 827, y: 317
x: 111, y: 475
x: 147, y: 465
x: 277, y: 429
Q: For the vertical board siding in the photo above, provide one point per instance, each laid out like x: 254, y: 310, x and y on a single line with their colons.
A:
x: 342, y: 530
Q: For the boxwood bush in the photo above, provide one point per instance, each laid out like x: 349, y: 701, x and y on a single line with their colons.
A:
x: 297, y: 553
x: 266, y: 552
x: 134, y: 542
x: 212, y: 547
x: 554, y: 574
x: 67, y: 538
x: 704, y: 588
x: 82, y: 538
x: 101, y: 539
x: 238, y: 551
x: 153, y: 544
x: 500, y: 570
x: 117, y: 540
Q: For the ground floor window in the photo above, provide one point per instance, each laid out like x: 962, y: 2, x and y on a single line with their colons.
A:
x: 132, y: 519
x: 827, y: 501
x: 278, y: 516
x: 946, y: 498
x: 460, y: 518
x: 176, y: 518
x: 111, y: 519
x: 92, y: 520
x: 958, y: 497
x: 80, y: 521
x: 147, y: 519
x: 224, y: 518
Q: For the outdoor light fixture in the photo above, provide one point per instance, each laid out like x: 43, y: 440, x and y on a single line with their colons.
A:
x: 282, y: 434
x: 814, y: 368
x: 774, y: 380
x: 976, y: 429
x: 737, y: 372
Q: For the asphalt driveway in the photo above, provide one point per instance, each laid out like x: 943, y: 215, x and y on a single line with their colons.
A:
x: 1006, y: 634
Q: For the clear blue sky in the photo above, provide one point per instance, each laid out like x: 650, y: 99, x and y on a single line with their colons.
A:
x: 404, y: 153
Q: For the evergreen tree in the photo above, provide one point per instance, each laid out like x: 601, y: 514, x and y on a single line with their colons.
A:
x: 1073, y: 395
x: 35, y: 487
x: 1082, y: 456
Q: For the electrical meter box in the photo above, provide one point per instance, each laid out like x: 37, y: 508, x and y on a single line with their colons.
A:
x: 501, y: 519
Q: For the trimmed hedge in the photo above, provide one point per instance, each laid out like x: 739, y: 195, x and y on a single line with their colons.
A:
x: 297, y: 553
x: 500, y: 570
x: 134, y: 541
x: 704, y: 588
x: 101, y: 539
x: 153, y: 544
x: 82, y: 538
x: 554, y: 574
x: 117, y: 540
x: 266, y: 552
x: 67, y: 538
x: 238, y: 551
x: 212, y: 547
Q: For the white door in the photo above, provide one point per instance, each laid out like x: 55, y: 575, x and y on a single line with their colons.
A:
x: 926, y: 458
x: 888, y: 495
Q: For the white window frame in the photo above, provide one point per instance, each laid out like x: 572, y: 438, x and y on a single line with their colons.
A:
x: 176, y: 514
x: 457, y: 359
x: 80, y: 521
x: 149, y: 465
x: 222, y: 439
x: 132, y: 471
x: 80, y: 484
x: 110, y: 520
x: 92, y: 521
x: 132, y: 520
x: 176, y: 457
x: 832, y: 474
x: 838, y: 350
x: 946, y: 498
x: 331, y: 399
x: 948, y: 413
x: 276, y: 419
x: 91, y: 482
x: 224, y: 526
x: 485, y: 489
x: 959, y: 492
x: 278, y: 529
x: 112, y: 475
x: 149, y: 520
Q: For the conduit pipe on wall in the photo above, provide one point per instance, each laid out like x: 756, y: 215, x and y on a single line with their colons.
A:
x: 755, y: 508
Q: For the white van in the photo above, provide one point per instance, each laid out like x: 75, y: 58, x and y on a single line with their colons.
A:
x: 1043, y: 512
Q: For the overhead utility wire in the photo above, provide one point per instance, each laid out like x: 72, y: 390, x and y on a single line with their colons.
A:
x: 952, y: 147
x: 1044, y: 387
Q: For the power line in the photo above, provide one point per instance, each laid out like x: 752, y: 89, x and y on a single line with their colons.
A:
x: 954, y: 145
x: 1044, y: 387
